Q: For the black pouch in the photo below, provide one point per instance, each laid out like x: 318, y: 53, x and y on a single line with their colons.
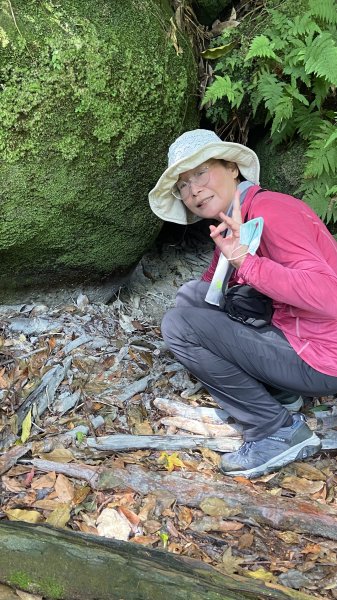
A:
x: 248, y: 306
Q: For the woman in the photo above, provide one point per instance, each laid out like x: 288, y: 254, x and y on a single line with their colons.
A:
x: 295, y: 264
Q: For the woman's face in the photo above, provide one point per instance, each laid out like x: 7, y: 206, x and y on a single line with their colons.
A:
x: 207, y: 200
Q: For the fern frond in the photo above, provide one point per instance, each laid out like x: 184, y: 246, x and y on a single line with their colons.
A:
x: 223, y: 87
x: 325, y: 10
x: 261, y: 47
x: 283, y: 112
x: 303, y: 25
x: 322, y: 152
x: 270, y: 90
x: 321, y: 88
x: 294, y: 92
x: 307, y: 121
x: 321, y: 57
x: 321, y: 195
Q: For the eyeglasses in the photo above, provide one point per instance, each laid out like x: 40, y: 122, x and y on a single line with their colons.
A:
x: 182, y: 189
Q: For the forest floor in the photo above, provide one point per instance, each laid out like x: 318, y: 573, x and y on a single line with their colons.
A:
x: 74, y: 375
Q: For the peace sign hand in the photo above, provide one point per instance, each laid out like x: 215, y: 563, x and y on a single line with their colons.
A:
x: 230, y: 246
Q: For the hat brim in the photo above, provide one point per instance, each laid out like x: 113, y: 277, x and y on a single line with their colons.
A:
x: 169, y: 208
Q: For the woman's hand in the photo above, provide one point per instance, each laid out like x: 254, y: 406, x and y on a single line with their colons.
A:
x: 230, y: 245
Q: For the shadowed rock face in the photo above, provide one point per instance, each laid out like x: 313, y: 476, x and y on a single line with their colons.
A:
x: 92, y: 94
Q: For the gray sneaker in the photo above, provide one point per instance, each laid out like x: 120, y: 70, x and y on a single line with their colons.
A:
x: 282, y: 447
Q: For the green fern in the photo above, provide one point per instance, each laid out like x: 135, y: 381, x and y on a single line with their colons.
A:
x: 321, y: 57
x: 325, y: 10
x: 261, y: 47
x: 224, y: 87
x: 286, y: 76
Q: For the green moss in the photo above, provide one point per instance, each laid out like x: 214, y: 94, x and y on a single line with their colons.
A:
x: 281, y: 167
x: 48, y: 587
x: 20, y: 579
x: 92, y: 94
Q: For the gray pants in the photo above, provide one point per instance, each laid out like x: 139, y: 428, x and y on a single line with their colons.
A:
x: 237, y: 364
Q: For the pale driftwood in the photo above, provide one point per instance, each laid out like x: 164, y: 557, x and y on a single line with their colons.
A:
x: 122, y: 442
x: 44, y: 393
x: 135, y: 388
x: 59, y: 563
x: 175, y: 408
x: 206, y: 429
x: 304, y: 516
x: 10, y: 458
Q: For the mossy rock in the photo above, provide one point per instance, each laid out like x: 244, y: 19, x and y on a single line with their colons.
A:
x: 281, y: 166
x: 92, y: 94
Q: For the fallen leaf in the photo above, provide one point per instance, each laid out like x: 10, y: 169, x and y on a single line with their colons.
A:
x: 300, y: 485
x: 64, y: 488
x: 230, y: 564
x: 311, y: 549
x: 216, y: 507
x: 145, y: 540
x: 28, y: 516
x: 61, y: 455
x: 112, y: 524
x: 131, y: 516
x: 246, y: 540
x: 213, y: 457
x: 60, y: 516
x: 152, y: 526
x: 46, y: 481
x: 309, y: 472
x: 215, y: 524
x: 170, y: 461
x: 261, y: 573
x: 12, y: 485
x: 289, y: 537
x: 185, y: 516
x: 26, y: 427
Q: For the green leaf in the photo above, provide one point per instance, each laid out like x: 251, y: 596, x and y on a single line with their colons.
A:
x: 213, y: 53
x: 261, y: 47
x: 325, y: 10
x: 26, y: 427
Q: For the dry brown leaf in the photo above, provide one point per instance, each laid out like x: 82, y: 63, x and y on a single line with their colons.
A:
x: 300, y: 485
x: 12, y: 485
x: 185, y: 516
x: 312, y: 549
x: 152, y: 526
x: 64, y: 489
x: 308, y: 471
x: 230, y: 564
x: 213, y: 457
x: 289, y: 537
x: 87, y: 528
x: 143, y: 428
x: 131, y: 516
x: 46, y: 481
x: 145, y: 540
x: 243, y: 481
x: 46, y: 504
x: 215, y: 524
x: 81, y: 494
x: 245, y: 541
x: 216, y: 507
x: 61, y: 455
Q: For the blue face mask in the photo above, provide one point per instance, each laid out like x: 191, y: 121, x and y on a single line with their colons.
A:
x: 250, y: 234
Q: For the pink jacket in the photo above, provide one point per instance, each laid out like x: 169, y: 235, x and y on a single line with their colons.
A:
x: 296, y: 266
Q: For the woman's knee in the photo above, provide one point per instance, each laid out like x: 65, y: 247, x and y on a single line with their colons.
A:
x: 192, y: 293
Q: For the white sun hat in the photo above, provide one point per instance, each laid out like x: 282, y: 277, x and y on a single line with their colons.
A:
x: 190, y: 150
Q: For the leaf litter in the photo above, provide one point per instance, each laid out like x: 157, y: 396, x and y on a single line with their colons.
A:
x: 75, y: 375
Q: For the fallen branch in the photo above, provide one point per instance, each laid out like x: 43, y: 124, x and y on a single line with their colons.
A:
x: 122, y: 442
x: 190, y: 489
x: 199, y: 413
x: 207, y: 429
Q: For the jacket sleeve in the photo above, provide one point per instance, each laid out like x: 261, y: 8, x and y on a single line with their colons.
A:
x: 208, y: 274
x: 292, y: 265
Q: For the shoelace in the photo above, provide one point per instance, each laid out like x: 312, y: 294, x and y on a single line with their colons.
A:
x: 245, y: 448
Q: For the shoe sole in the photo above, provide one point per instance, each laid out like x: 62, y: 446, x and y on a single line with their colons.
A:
x: 303, y: 450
